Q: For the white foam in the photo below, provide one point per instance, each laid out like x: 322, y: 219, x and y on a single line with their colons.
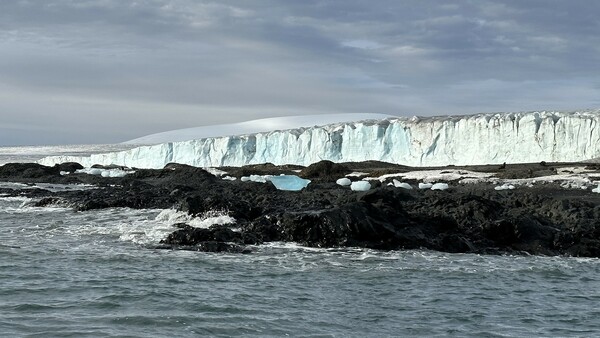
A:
x: 15, y: 198
x: 25, y: 208
x: 137, y: 226
x: 207, y: 220
x: 146, y: 227
x: 14, y: 186
x: 53, y: 187
x: 172, y: 216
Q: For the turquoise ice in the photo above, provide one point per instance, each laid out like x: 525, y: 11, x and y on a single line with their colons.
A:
x: 289, y: 182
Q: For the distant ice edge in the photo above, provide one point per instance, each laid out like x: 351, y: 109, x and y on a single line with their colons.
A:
x: 415, y: 141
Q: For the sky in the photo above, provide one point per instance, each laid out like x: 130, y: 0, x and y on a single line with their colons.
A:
x: 106, y: 71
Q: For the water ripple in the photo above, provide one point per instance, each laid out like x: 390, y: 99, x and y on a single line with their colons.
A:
x: 92, y: 274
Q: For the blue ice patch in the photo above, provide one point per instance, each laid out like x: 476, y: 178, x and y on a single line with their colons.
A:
x: 289, y: 182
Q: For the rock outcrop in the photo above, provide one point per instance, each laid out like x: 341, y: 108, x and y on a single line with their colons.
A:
x: 546, y: 219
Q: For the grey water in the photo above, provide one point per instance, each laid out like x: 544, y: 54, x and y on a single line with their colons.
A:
x: 97, y: 274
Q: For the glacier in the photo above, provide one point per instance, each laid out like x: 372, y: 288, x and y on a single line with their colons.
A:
x: 415, y: 141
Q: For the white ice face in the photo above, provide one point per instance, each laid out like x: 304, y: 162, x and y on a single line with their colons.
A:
x: 435, y: 141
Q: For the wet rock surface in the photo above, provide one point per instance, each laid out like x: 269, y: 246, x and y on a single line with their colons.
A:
x: 545, y: 219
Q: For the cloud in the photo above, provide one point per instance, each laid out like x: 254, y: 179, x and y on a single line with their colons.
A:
x: 109, y: 70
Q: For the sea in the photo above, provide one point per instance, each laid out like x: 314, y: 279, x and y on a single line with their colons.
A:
x: 99, y: 274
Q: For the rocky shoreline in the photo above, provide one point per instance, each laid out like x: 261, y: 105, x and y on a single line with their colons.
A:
x: 543, y: 219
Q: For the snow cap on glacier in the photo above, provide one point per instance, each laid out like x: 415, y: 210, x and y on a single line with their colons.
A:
x: 253, y: 127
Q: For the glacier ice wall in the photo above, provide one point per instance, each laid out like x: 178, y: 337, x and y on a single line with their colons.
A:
x: 416, y: 141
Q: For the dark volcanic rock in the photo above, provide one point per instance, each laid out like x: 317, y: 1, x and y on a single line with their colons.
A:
x: 132, y: 194
x: 109, y: 166
x: 69, y: 167
x: 214, y: 239
x: 175, y: 176
x: 325, y: 171
x: 188, y: 235
x: 27, y: 170
x: 354, y: 224
x: 199, y: 204
x: 474, y: 218
x: 262, y: 169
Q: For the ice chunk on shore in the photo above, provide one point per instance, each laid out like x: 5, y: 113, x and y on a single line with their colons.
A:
x: 360, y: 186
x: 505, y: 186
x: 105, y: 172
x: 289, y: 182
x: 256, y: 178
x: 215, y: 171
x: 344, y: 181
x: 597, y: 189
x: 425, y: 185
x: 439, y: 186
x: 402, y: 185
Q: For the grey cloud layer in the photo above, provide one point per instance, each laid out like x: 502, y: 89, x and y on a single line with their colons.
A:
x: 110, y: 70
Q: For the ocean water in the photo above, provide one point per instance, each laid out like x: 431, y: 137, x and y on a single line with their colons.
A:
x: 97, y: 274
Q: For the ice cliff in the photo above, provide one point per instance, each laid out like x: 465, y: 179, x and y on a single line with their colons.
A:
x: 414, y: 141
